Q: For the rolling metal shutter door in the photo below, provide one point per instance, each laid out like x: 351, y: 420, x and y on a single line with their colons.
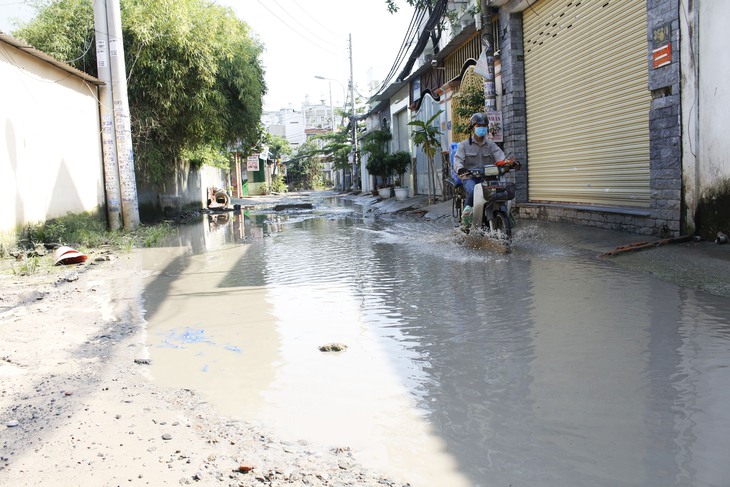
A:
x: 586, y: 87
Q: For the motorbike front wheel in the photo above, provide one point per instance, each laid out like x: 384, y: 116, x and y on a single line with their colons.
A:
x: 501, y: 223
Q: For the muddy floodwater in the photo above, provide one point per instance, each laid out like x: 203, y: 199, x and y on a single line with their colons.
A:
x: 547, y: 366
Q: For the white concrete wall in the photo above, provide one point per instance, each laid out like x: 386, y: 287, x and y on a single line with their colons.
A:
x: 689, y: 92
x: 705, y: 101
x: 714, y: 90
x: 50, y: 147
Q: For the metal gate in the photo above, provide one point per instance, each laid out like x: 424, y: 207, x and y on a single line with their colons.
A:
x: 588, y: 102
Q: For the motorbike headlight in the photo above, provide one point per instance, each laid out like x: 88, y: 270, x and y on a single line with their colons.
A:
x: 491, y: 171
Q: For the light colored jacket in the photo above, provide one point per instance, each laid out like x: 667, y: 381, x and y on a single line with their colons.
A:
x: 474, y: 155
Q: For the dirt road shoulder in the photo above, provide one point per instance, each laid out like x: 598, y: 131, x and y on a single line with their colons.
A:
x: 78, y: 406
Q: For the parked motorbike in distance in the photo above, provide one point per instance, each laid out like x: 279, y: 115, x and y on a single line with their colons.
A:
x: 490, y: 213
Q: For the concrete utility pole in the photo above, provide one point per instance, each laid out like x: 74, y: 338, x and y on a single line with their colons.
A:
x: 332, y: 109
x: 122, y: 124
x: 354, y: 121
x: 487, y: 37
x: 106, y: 104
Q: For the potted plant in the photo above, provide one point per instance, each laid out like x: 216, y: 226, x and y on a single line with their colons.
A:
x: 397, y: 163
x: 374, y: 146
x: 401, y: 193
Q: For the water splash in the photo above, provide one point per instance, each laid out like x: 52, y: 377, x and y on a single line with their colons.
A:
x: 477, y: 239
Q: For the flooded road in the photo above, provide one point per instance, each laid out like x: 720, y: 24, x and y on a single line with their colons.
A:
x: 543, y: 367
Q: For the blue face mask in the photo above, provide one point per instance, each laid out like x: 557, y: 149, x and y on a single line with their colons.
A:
x: 480, y: 131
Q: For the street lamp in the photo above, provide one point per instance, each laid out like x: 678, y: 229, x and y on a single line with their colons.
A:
x: 332, y: 107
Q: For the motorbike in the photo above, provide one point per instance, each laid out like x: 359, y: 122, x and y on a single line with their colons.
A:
x: 491, y: 196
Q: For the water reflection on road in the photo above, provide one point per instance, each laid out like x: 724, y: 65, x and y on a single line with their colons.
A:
x: 543, y: 367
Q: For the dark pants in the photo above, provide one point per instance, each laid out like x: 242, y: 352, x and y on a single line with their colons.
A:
x: 469, y: 185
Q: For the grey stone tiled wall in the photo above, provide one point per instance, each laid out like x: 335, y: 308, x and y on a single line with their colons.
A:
x: 665, y: 124
x: 514, y: 117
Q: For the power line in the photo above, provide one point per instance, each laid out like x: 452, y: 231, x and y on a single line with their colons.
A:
x: 406, y: 44
x: 296, y: 21
x: 315, y: 20
x: 297, y: 32
x: 431, y: 24
x: 408, y: 40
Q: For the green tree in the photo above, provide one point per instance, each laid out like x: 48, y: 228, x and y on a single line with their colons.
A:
x: 279, y: 147
x: 336, y: 147
x: 420, y: 4
x: 303, y: 171
x: 64, y: 30
x: 195, y: 78
x: 469, y: 101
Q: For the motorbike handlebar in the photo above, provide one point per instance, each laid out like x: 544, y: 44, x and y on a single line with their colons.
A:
x: 502, y: 167
x: 512, y: 164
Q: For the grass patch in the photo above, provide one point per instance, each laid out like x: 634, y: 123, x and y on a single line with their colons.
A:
x: 151, y: 236
x: 27, y: 266
x: 82, y: 230
x: 89, y: 231
x: 29, y: 250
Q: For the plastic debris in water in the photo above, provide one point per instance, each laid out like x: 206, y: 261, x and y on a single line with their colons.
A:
x: 193, y: 336
x: 188, y: 336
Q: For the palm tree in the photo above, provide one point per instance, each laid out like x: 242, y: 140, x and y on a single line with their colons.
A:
x: 428, y: 136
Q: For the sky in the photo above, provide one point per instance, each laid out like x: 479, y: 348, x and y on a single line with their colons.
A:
x: 304, y: 39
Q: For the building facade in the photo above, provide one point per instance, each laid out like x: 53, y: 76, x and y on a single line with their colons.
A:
x: 616, y: 121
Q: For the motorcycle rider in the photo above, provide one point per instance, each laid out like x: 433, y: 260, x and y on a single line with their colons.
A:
x: 474, y: 154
